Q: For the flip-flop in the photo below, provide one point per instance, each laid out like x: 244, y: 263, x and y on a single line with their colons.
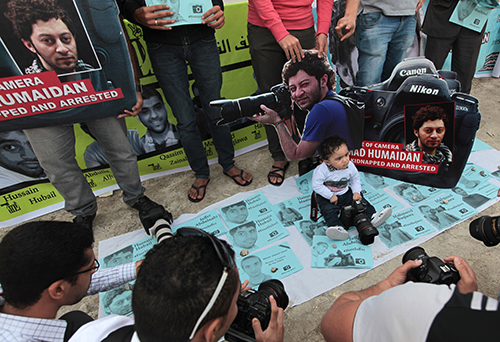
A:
x: 198, y: 188
x: 274, y: 173
x: 240, y: 175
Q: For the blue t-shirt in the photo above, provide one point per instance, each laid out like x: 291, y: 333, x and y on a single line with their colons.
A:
x: 325, y: 119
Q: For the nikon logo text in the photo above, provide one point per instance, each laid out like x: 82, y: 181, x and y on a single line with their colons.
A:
x: 420, y: 89
x: 462, y: 108
x: 412, y: 72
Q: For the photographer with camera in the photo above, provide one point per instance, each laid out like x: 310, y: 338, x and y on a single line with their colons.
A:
x: 44, y: 266
x: 393, y: 310
x: 187, y: 289
x: 310, y: 82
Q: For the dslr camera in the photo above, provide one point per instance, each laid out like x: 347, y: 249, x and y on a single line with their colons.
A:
x: 278, y: 99
x: 255, y: 304
x: 355, y: 215
x: 157, y: 222
x: 416, y: 81
x: 486, y: 229
x: 433, y: 270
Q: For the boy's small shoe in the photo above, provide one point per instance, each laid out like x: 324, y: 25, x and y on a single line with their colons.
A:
x: 337, y: 233
x: 381, y: 216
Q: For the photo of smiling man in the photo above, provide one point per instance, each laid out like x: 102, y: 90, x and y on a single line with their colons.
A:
x: 49, y: 31
x: 429, y: 125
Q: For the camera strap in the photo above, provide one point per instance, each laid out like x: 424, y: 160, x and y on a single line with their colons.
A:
x: 124, y: 334
x: 314, y: 208
x: 355, y: 112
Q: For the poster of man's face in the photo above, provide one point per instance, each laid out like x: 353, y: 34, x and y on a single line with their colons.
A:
x: 245, y: 236
x: 430, y: 128
x: 45, y: 35
x: 17, y: 155
x: 123, y: 256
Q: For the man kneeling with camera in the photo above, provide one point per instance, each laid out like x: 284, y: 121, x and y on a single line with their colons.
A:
x: 187, y: 289
x: 426, y: 310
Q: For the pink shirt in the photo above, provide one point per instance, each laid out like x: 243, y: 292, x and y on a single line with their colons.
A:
x: 279, y: 16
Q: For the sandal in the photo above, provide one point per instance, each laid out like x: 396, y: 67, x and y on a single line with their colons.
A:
x: 274, y: 173
x: 240, y: 175
x: 198, y: 188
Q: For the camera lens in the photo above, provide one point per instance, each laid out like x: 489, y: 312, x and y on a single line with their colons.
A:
x: 486, y: 229
x: 414, y: 254
x: 276, y: 289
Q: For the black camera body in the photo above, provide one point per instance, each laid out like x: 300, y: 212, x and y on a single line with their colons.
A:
x: 355, y: 215
x: 433, y: 270
x: 416, y: 81
x: 255, y: 304
x: 279, y: 100
x: 486, y: 229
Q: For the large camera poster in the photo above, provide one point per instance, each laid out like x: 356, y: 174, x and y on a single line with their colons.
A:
x: 25, y: 191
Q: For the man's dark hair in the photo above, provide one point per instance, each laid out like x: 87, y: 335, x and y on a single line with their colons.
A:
x: 174, y: 285
x: 128, y: 249
x: 36, y: 254
x: 428, y: 113
x: 149, y: 91
x: 330, y: 145
x: 314, y: 64
x: 24, y: 13
x: 237, y: 204
x: 234, y: 230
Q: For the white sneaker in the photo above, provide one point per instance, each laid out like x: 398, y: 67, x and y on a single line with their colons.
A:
x: 381, y: 216
x: 337, y: 233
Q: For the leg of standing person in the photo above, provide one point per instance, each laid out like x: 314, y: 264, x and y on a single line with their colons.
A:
x: 437, y: 50
x: 464, y: 57
x: 374, y: 32
x: 54, y: 147
x: 111, y: 133
x: 268, y: 59
x: 402, y: 39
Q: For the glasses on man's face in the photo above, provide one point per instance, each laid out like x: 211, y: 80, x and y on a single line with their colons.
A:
x: 93, y: 268
x: 226, y: 260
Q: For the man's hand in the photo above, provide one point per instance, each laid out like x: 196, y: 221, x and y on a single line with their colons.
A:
x: 322, y: 44
x: 292, y: 48
x: 146, y: 16
x: 275, y: 330
x: 398, y: 276
x: 468, y: 281
x: 334, y: 199
x: 356, y: 196
x: 136, y: 109
x: 269, y: 117
x: 348, y: 24
x: 244, y: 286
x: 420, y: 3
x: 214, y: 17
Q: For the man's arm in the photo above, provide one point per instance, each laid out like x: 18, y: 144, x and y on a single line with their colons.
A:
x: 337, y: 323
x: 348, y: 21
x: 324, y: 11
x: 108, y: 278
x: 293, y: 151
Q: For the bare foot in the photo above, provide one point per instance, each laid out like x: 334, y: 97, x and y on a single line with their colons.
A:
x: 235, y: 173
x: 277, y: 180
x: 199, y: 183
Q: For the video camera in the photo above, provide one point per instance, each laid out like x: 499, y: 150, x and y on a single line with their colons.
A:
x: 432, y: 270
x: 355, y: 214
x: 486, y: 229
x: 279, y: 99
x: 255, y: 304
x: 416, y: 81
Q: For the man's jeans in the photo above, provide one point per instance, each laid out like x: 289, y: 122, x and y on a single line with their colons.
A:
x: 55, y: 149
x: 382, y: 42
x: 169, y: 65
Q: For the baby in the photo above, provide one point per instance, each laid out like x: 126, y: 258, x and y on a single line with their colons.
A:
x: 336, y: 182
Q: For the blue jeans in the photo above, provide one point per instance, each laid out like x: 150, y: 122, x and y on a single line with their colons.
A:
x: 54, y: 147
x: 382, y: 42
x: 169, y: 65
x: 331, y: 212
